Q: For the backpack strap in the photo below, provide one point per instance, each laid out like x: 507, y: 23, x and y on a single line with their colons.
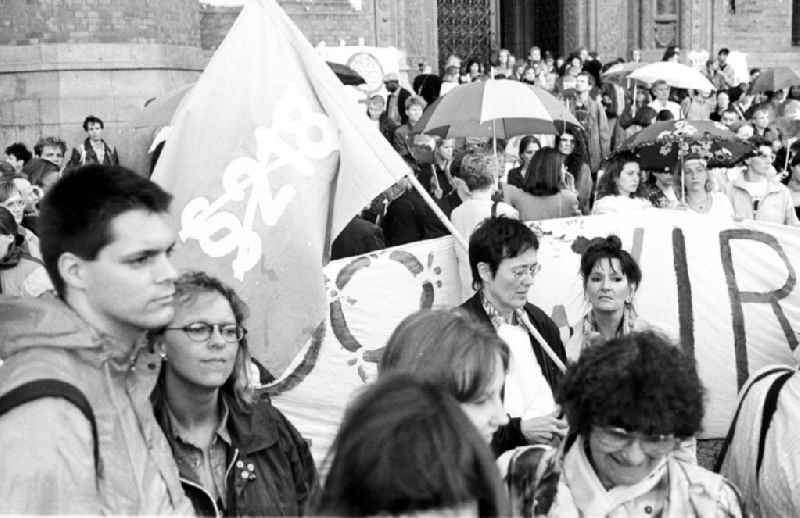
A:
x: 732, y: 428
x: 770, y: 405
x: 53, y: 388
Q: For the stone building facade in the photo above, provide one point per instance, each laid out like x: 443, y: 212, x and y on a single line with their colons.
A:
x: 63, y: 59
x: 763, y: 29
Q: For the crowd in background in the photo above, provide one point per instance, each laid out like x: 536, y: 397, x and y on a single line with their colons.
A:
x: 537, y: 183
x: 478, y: 410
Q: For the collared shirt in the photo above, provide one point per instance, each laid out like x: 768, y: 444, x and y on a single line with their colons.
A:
x: 527, y: 393
x: 207, y: 465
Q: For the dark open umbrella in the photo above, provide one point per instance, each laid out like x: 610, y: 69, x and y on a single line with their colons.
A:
x: 665, y: 144
x: 346, y: 75
x: 662, y: 144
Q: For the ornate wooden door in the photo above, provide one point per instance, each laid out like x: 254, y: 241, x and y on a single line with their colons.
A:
x: 466, y: 28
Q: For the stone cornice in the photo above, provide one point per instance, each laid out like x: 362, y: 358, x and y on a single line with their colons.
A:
x: 100, y: 56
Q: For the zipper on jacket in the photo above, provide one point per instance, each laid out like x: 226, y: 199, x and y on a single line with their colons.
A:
x: 205, y: 492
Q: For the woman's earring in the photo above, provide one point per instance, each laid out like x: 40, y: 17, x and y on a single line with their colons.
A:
x: 163, y: 353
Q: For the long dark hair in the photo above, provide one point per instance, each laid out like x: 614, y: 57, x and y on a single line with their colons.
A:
x: 579, y: 156
x: 405, y: 446
x: 544, y: 176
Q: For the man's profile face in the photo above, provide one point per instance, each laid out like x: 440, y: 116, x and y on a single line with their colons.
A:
x: 95, y: 131
x: 722, y: 58
x: 130, y: 284
x: 53, y: 154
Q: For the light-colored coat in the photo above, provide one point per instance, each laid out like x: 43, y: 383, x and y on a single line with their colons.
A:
x: 776, y: 207
x: 46, y: 459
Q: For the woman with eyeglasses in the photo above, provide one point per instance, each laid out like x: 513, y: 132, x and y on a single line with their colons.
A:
x: 20, y: 274
x: 236, y: 453
x: 503, y: 259
x: 11, y: 198
x: 629, y: 404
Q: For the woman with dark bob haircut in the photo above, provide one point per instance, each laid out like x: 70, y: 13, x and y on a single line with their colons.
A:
x: 611, y: 278
x: 404, y: 447
x: 629, y: 404
x: 544, y: 194
x: 465, y: 359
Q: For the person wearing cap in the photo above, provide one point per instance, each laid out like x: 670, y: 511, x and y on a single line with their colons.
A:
x: 395, y: 102
x: 757, y: 193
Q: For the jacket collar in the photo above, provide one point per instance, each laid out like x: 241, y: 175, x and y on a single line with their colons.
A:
x: 772, y: 185
x: 252, y: 429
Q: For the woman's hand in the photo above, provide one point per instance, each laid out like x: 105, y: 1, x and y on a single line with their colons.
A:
x: 543, y: 429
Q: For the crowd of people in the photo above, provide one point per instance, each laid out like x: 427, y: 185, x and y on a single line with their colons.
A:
x: 127, y: 387
x: 762, y: 185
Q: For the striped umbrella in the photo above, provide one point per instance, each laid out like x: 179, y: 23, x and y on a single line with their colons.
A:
x: 498, y: 108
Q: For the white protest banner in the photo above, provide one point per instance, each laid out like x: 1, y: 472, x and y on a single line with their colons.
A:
x: 726, y: 289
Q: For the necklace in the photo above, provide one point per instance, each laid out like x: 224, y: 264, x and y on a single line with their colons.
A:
x: 703, y: 205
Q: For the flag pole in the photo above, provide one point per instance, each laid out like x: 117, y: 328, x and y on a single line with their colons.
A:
x: 436, y: 210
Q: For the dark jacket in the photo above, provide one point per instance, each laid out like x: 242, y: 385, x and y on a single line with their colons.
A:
x: 516, y: 177
x: 358, y: 237
x: 510, y: 436
x: 85, y: 155
x: 284, y: 479
x: 409, y: 219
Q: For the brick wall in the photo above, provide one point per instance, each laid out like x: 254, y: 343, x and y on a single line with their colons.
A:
x: 31, y: 22
x: 321, y: 20
x: 756, y: 26
x: 761, y: 28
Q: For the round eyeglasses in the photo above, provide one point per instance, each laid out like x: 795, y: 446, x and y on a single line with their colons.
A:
x: 614, y: 439
x: 202, y: 331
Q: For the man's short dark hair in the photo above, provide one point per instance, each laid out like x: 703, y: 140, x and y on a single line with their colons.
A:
x: 91, y: 119
x: 496, y: 239
x: 77, y: 213
x: 19, y: 151
x: 49, y: 142
x: 723, y: 52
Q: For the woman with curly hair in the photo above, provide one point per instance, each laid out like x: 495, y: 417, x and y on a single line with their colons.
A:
x: 404, y: 448
x: 236, y: 453
x: 611, y: 277
x: 629, y: 404
x: 619, y: 188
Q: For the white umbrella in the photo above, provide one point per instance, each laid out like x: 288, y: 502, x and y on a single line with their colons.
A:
x: 675, y: 74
